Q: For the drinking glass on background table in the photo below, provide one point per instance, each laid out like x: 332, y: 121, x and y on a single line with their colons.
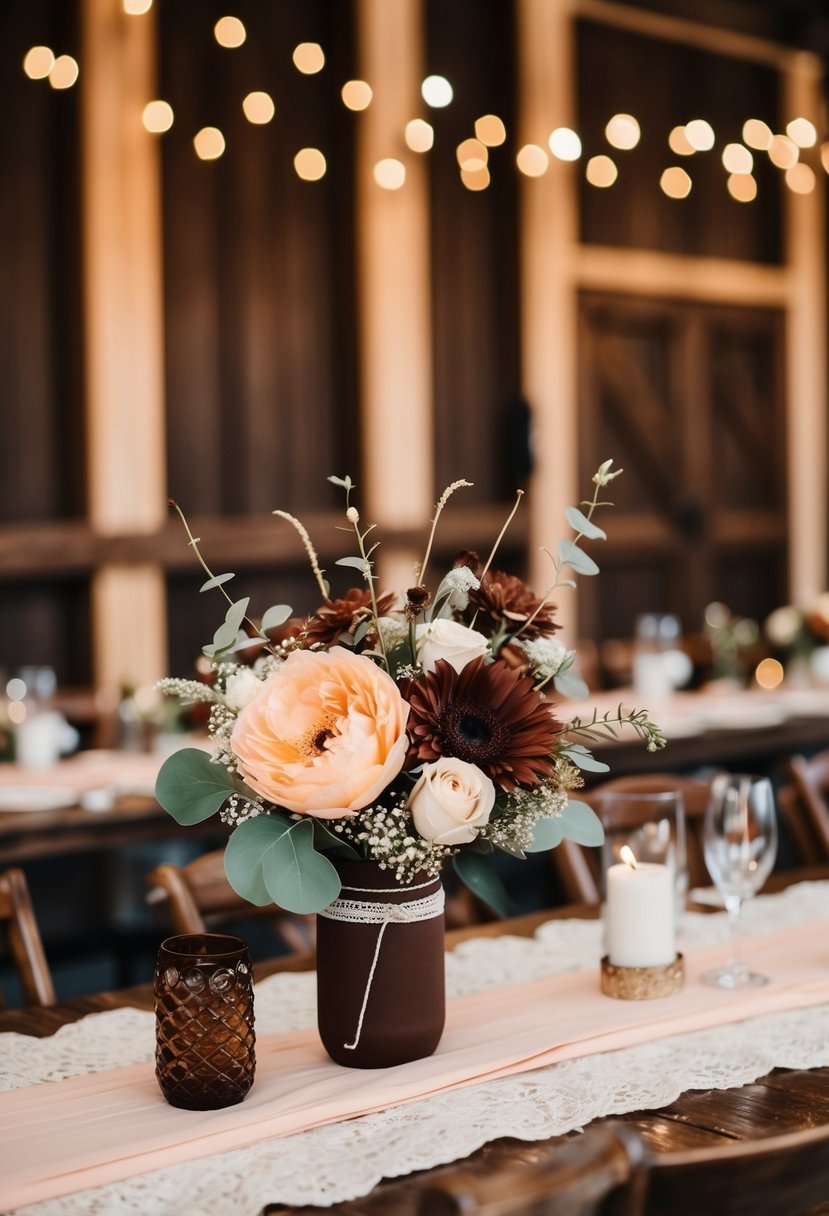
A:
x: 652, y: 824
x: 740, y: 839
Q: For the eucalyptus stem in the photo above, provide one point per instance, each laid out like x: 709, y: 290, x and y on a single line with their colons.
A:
x: 353, y: 517
x: 193, y: 542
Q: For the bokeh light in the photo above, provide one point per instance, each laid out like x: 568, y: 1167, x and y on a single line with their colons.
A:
x: 419, y: 135
x: 437, y: 92
x: 356, y: 94
x: 532, y: 160
x: 490, y: 130
x: 309, y: 58
x: 229, y: 32
x: 623, y: 132
x: 64, y: 72
x: 209, y: 143
x: 390, y: 174
x: 565, y: 144
x: 38, y: 62
x: 309, y: 164
x: 601, y: 171
x: 258, y: 107
x: 157, y: 117
x: 675, y: 182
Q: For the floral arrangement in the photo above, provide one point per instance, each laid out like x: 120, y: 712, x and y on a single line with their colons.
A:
x: 405, y: 730
x: 799, y: 629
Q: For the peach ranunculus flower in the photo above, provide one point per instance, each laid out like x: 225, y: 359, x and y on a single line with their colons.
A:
x: 325, y: 735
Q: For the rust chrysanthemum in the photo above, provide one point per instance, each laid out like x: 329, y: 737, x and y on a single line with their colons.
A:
x: 487, y: 715
x: 342, y: 615
x: 505, y: 600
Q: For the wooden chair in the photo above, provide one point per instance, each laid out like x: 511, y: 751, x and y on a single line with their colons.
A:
x: 585, y: 1176
x: 785, y: 1175
x: 18, y: 917
x: 578, y: 868
x: 197, y: 898
x: 804, y: 806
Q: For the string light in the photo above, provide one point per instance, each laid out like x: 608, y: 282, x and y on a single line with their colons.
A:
x: 737, y: 159
x: 678, y: 142
x: 258, y: 107
x: 229, y: 32
x: 419, y: 135
x: 209, y: 143
x: 800, y: 179
x: 742, y: 187
x: 675, y: 182
x: 802, y: 132
x: 309, y: 164
x: 700, y: 135
x: 309, y: 58
x: 137, y: 8
x: 565, y: 144
x: 475, y: 179
x: 757, y: 134
x: 601, y: 171
x: 437, y: 92
x: 38, y: 62
x: 390, y: 174
x: 532, y: 160
x: 623, y: 132
x: 64, y: 72
x: 783, y: 152
x: 490, y: 130
x: 356, y: 94
x: 472, y: 155
x: 157, y: 117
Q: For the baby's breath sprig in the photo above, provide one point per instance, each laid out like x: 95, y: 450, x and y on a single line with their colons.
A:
x: 608, y: 725
x: 187, y: 691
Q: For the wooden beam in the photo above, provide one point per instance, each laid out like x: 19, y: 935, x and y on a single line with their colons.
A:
x: 124, y: 340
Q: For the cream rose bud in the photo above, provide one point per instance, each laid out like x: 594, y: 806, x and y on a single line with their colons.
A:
x: 451, y: 801
x: 449, y: 640
x: 241, y: 688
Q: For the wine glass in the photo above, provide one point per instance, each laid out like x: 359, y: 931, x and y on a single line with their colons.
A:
x: 740, y: 839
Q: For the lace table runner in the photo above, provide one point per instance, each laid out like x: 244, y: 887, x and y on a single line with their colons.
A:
x: 342, y: 1161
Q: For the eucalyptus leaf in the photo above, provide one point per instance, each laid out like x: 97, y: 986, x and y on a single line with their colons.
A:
x: 356, y: 563
x: 361, y: 631
x: 580, y: 523
x: 271, y: 859
x: 476, y: 873
x: 547, y: 833
x: 345, y: 482
x: 216, y: 581
x: 276, y: 616
x: 570, y: 685
x: 328, y: 841
x: 584, y: 759
x: 581, y: 824
x: 191, y: 787
x: 571, y: 555
x: 243, y: 856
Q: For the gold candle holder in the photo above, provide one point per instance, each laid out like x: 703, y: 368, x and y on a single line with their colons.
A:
x: 642, y: 983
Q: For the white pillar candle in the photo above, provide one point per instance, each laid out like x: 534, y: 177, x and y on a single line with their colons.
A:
x: 639, y: 916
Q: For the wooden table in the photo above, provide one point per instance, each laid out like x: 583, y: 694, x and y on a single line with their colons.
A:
x: 785, y: 1100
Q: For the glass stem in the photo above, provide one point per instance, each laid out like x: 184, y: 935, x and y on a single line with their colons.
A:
x: 733, y: 904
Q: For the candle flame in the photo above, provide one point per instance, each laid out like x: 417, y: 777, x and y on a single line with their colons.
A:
x: 628, y: 856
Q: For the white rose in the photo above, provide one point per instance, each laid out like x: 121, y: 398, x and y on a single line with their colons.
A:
x: 241, y: 688
x: 452, y: 801
x: 451, y: 641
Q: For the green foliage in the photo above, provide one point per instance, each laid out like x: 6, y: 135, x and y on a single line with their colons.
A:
x: 226, y: 636
x: 273, y: 859
x: 276, y: 616
x: 547, y: 834
x: 583, y: 759
x: 580, y: 523
x: 580, y: 823
x: 476, y: 873
x: 571, y: 555
x: 191, y: 787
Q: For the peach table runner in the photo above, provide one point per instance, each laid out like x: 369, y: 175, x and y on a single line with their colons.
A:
x: 88, y: 1131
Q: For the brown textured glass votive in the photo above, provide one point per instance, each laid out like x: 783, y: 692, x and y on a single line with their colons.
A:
x: 203, y: 987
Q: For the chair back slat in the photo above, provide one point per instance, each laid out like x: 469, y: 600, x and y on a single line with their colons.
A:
x: 804, y: 803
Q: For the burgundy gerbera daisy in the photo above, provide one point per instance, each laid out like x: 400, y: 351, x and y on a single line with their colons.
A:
x: 505, y: 600
x: 341, y: 615
x: 487, y: 715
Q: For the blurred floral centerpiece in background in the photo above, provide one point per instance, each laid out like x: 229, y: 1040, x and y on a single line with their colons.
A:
x: 799, y: 633
x: 406, y: 728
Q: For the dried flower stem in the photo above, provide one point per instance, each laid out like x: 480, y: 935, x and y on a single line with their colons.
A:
x: 441, y: 503
x: 519, y: 494
x: 368, y: 575
x: 309, y: 549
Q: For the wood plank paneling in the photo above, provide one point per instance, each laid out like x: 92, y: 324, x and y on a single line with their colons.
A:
x: 261, y: 380
x: 665, y: 84
x: 481, y: 426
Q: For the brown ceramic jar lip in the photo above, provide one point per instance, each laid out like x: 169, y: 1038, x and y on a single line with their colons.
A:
x: 204, y: 947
